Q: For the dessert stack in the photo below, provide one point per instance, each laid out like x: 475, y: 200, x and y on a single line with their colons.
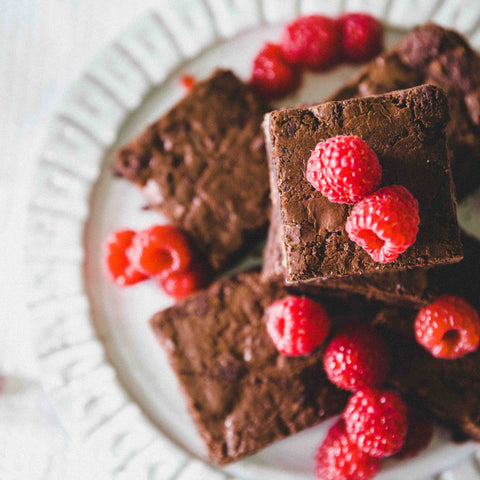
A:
x: 366, y: 302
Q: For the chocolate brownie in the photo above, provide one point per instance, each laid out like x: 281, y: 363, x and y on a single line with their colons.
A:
x: 435, y: 55
x: 243, y: 394
x: 408, y: 287
x: 406, y: 129
x: 203, y: 165
x: 449, y: 388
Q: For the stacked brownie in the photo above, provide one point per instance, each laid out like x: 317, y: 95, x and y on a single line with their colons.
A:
x: 406, y: 129
x: 204, y: 166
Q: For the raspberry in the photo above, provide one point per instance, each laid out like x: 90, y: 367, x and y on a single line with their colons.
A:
x: 117, y: 264
x: 344, y: 169
x: 159, y: 249
x: 272, y: 76
x: 297, y: 325
x: 419, y: 434
x: 356, y: 358
x: 338, y: 458
x: 188, y: 82
x: 182, y: 284
x: 312, y: 42
x: 448, y: 327
x: 362, y: 37
x: 385, y: 224
x: 376, y: 421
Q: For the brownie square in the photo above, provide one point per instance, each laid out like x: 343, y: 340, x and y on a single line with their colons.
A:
x: 435, y: 55
x: 406, y: 129
x: 203, y: 165
x: 243, y: 394
x: 450, y: 389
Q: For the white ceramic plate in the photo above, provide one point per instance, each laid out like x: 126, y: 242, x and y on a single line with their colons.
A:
x: 102, y: 366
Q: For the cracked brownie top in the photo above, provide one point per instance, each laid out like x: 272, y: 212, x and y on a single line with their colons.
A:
x: 406, y: 129
x: 203, y: 165
x: 241, y: 392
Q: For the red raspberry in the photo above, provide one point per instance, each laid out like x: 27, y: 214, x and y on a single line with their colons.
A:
x: 385, y: 224
x: 159, y: 249
x: 419, y: 434
x: 357, y: 358
x: 344, y: 169
x: 448, y: 327
x: 182, y: 284
x: 272, y: 76
x: 312, y: 41
x: 117, y: 264
x: 338, y: 458
x: 362, y: 36
x: 376, y: 421
x: 188, y: 82
x: 297, y: 325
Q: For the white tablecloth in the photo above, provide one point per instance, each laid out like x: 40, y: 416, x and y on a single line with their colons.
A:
x: 44, y: 45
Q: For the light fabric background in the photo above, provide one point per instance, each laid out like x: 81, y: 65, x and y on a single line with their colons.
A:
x: 44, y: 45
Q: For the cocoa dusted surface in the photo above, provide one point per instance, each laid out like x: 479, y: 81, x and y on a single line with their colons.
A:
x: 243, y: 394
x: 203, y: 165
x: 407, y: 131
x: 433, y: 54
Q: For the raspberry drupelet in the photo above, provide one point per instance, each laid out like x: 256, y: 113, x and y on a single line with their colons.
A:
x: 182, y: 284
x: 117, y: 263
x: 297, y: 325
x: 188, y: 82
x: 356, y: 358
x: 362, y: 37
x: 376, y: 421
x: 344, y: 169
x: 160, y: 249
x: 448, y: 328
x: 385, y: 224
x: 272, y: 77
x: 312, y: 41
x: 338, y: 458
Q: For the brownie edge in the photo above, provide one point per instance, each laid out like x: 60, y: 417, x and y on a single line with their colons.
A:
x: 242, y: 394
x: 407, y: 287
x: 450, y: 389
x: 203, y: 166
